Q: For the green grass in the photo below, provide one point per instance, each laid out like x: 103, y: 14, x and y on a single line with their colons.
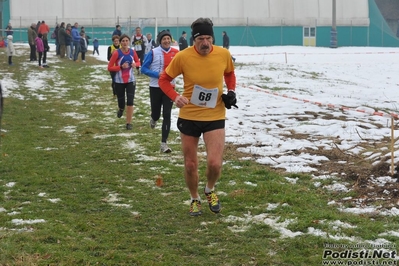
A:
x: 69, y: 145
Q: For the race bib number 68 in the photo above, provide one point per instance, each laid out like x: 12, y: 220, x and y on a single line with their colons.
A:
x: 204, y: 97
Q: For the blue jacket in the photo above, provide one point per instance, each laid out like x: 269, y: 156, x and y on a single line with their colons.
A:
x: 95, y: 43
x: 117, y: 32
x: 75, y: 35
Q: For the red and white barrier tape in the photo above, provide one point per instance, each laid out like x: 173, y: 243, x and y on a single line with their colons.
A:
x: 329, y: 105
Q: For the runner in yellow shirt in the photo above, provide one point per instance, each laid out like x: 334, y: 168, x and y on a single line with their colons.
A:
x: 202, y: 107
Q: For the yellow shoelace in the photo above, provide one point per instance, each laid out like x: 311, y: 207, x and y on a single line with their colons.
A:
x: 213, y: 199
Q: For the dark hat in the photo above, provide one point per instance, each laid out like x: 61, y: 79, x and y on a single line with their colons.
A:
x: 183, y: 32
x: 202, y: 29
x: 163, y: 34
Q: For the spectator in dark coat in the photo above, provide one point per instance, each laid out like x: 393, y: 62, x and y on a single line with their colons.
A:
x: 31, y: 39
x: 226, y: 43
x: 9, y: 30
x: 68, y: 41
x: 183, y: 41
x: 62, y: 36
x: 117, y: 31
x: 46, y: 49
x: 55, y: 35
x: 226, y: 40
x: 83, y: 46
x: 87, y: 37
x: 37, y: 26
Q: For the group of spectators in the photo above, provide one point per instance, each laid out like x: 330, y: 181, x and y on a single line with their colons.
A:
x: 38, y: 42
x: 70, y: 41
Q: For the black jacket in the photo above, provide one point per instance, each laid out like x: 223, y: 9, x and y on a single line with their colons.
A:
x: 226, y: 41
x: 182, y: 43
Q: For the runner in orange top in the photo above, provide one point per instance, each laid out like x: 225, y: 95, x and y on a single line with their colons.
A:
x: 202, y: 107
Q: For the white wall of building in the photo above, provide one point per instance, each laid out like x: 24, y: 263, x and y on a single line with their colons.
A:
x: 184, y: 12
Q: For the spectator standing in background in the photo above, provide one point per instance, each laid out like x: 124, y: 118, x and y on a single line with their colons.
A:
x: 10, y: 49
x: 76, y: 41
x: 87, y: 37
x: 69, y: 41
x: 62, y: 35
x: 117, y: 31
x: 46, y: 49
x: 31, y: 39
x: 54, y: 35
x: 83, y: 46
x: 183, y: 41
x: 9, y: 30
x: 95, y: 46
x: 226, y: 43
x: 43, y: 28
x: 39, y: 48
x: 37, y: 26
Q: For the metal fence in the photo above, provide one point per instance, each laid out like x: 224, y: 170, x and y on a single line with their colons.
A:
x: 245, y: 31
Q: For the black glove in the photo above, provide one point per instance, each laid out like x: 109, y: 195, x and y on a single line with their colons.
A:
x: 229, y: 99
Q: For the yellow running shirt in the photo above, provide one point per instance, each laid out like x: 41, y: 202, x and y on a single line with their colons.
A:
x: 203, y: 82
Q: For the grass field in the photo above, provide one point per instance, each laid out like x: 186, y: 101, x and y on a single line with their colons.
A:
x: 77, y: 188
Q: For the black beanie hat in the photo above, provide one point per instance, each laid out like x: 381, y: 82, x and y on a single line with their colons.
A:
x: 163, y: 34
x: 201, y: 29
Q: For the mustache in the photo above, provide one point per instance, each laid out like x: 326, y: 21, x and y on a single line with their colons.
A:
x: 203, y: 47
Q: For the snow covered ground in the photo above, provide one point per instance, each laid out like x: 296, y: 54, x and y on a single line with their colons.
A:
x: 295, y: 100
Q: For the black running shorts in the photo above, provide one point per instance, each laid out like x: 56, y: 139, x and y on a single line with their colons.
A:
x: 196, y: 128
